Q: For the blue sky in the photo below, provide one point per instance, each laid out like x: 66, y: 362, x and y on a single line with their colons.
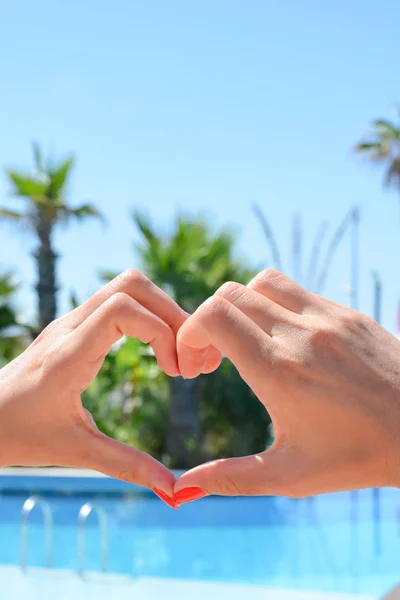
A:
x: 203, y: 107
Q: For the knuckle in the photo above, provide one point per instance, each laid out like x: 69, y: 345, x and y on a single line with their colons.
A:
x: 52, y: 361
x: 49, y: 330
x: 354, y: 322
x: 270, y: 278
x: 324, y: 334
x: 215, y: 307
x: 128, y: 475
x: 231, y: 290
x: 117, y: 302
x: 227, y: 486
x: 284, y: 363
x: 298, y: 364
x: 132, y: 278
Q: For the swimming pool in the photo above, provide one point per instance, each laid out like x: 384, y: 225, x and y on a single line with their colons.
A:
x: 336, y: 543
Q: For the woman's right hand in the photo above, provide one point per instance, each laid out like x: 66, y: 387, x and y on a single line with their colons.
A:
x: 328, y: 376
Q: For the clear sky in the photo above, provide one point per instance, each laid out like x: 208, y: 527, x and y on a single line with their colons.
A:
x: 203, y: 107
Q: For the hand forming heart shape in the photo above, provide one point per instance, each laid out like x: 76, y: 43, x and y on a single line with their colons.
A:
x: 328, y: 376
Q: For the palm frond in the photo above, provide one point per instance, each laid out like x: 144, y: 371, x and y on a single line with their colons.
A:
x: 26, y: 186
x: 385, y: 128
x: 392, y: 178
x: 105, y: 275
x: 7, y: 285
x: 86, y: 211
x: 269, y: 236
x: 58, y: 178
x: 37, y: 156
x: 11, y: 215
x: 7, y: 317
x: 333, y: 246
x: 316, y: 253
x: 375, y: 150
x: 144, y: 226
x: 73, y: 300
x: 367, y: 146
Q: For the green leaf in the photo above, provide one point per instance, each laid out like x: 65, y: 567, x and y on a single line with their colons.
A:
x: 392, y: 178
x: 385, y: 127
x: 7, y: 317
x: 58, y: 178
x: 26, y: 186
x: 11, y: 215
x: 85, y: 211
x: 7, y: 286
x: 367, y: 146
x: 128, y: 354
x: 106, y: 276
x: 376, y: 151
x: 144, y: 227
x: 37, y: 155
x: 73, y: 300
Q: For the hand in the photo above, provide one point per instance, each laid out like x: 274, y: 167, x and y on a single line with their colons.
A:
x: 42, y: 420
x: 329, y: 377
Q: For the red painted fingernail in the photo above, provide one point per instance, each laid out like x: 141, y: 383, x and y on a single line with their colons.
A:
x: 165, y: 498
x: 189, y: 494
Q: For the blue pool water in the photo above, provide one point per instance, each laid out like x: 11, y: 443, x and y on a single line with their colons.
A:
x: 341, y: 542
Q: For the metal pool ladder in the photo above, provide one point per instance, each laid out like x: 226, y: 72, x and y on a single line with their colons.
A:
x: 29, y: 505
x: 85, y: 511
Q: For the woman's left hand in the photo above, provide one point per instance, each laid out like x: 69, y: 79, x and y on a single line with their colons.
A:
x: 42, y: 420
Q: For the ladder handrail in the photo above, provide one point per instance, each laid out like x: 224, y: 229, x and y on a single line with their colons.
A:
x: 47, y: 513
x: 84, y: 512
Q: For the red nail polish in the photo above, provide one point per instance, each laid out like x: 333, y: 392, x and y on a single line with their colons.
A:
x: 189, y: 495
x: 165, y: 498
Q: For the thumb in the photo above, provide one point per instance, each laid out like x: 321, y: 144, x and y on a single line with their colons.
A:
x: 256, y: 475
x: 94, y: 450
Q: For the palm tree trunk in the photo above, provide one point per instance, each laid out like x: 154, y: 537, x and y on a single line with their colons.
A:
x: 184, y: 423
x: 46, y: 262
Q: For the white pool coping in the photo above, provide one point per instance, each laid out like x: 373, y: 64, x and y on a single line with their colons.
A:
x: 53, y: 479
x: 49, y: 472
x: 42, y: 584
x: 34, y: 480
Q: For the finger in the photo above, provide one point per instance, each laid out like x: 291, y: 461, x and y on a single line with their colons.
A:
x: 213, y: 361
x: 94, y: 450
x: 218, y: 323
x: 140, y: 288
x: 120, y: 315
x: 285, y: 292
x: 268, y: 315
x: 204, y: 360
x: 257, y: 475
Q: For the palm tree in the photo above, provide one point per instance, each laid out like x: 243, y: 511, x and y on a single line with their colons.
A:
x: 382, y: 146
x: 46, y: 207
x: 190, y: 264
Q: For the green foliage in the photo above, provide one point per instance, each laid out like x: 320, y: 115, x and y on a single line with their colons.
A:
x: 234, y: 422
x: 46, y: 207
x: 11, y: 342
x: 191, y: 262
x: 129, y: 397
x: 382, y: 146
x: 46, y: 192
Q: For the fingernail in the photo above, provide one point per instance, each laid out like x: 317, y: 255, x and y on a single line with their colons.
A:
x: 165, y: 498
x: 189, y: 495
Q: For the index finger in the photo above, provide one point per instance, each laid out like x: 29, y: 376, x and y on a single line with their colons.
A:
x: 140, y: 288
x: 220, y: 324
